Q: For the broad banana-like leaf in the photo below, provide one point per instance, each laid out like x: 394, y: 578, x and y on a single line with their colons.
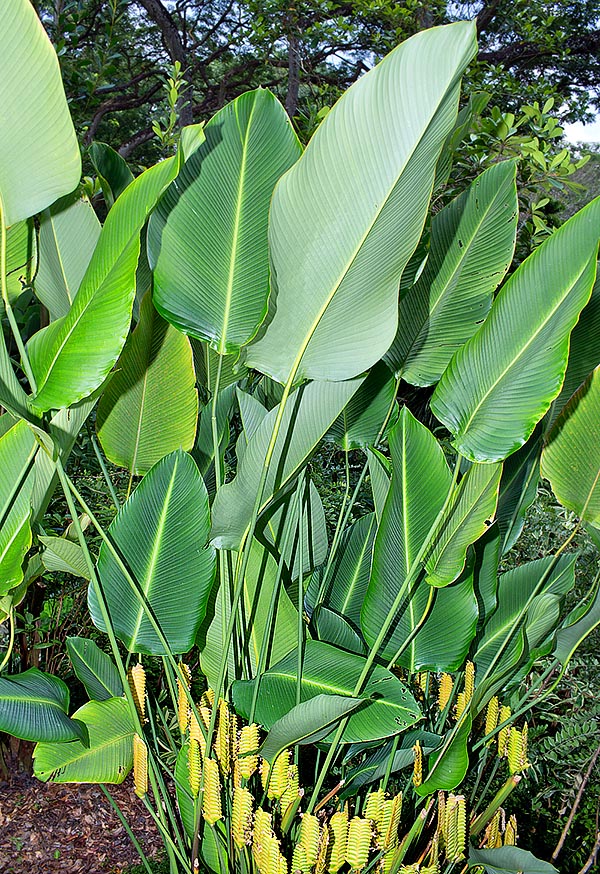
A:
x: 34, y: 706
x: 328, y: 670
x: 518, y: 488
x: 379, y: 473
x: 363, y: 419
x: 509, y: 860
x: 207, y: 240
x: 260, y: 584
x: 308, y: 722
x: 161, y: 534
x: 94, y: 668
x: 420, y: 483
x: 154, y: 375
x: 467, y: 516
x: 309, y: 412
x: 72, y: 356
x: 332, y: 627
x: 584, y: 353
x: 107, y: 759
x: 485, y: 573
x: 355, y: 205
x: 571, y: 456
x: 206, y: 363
x: 502, y: 381
x: 375, y: 765
x: 472, y: 244
x: 61, y: 554
x: 112, y: 170
x: 39, y: 153
x: 21, y: 258
x: 576, y: 628
x: 252, y: 412
x: 18, y: 448
x: 69, y: 232
x: 447, y: 767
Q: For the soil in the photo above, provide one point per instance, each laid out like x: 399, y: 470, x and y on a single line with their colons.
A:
x: 72, y: 828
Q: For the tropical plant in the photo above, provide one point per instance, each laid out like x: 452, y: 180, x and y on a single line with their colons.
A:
x: 318, y: 672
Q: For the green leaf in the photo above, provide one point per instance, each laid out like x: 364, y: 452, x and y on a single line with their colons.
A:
x: 259, y: 587
x: 379, y: 473
x: 518, y: 489
x: 154, y: 373
x: 207, y: 240
x: 112, y: 170
x: 509, y: 860
x: 61, y: 554
x: 502, y: 381
x: 18, y: 448
x: 328, y: 670
x: 21, y: 258
x: 203, y: 451
x: 307, y: 722
x: 39, y: 154
x: 94, y: 668
x: 109, y: 757
x: 447, y: 767
x: 161, y: 534
x: 362, y: 419
x: 420, y: 482
x: 569, y: 637
x: 34, y: 705
x: 375, y: 765
x: 72, y: 356
x: 354, y: 206
x: 466, y: 518
x: 69, y: 232
x: 308, y: 414
x: 334, y: 628
x: 472, y: 244
x: 571, y: 456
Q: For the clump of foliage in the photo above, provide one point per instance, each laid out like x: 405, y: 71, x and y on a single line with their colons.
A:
x: 326, y: 700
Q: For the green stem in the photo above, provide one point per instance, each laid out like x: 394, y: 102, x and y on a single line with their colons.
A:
x: 103, y: 467
x: 390, y: 762
x: 170, y: 846
x: 11, y: 641
x: 300, y: 604
x: 416, y: 629
x: 482, y: 820
x: 213, y: 422
x: 127, y: 828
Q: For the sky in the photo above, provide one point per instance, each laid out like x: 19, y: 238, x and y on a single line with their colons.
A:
x: 580, y: 133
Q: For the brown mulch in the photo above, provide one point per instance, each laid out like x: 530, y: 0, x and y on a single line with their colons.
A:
x: 51, y: 827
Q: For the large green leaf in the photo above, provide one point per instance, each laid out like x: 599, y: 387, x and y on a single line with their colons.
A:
x: 576, y: 628
x: 332, y: 627
x: 18, y: 448
x: 472, y: 244
x: 309, y: 412
x: 207, y: 240
x: 21, y: 258
x: 518, y: 488
x: 328, y: 670
x: 112, y: 170
x: 161, y: 534
x: 446, y: 768
x: 502, y: 381
x: 259, y: 587
x: 109, y: 757
x: 571, y: 456
x: 380, y: 471
x: 354, y: 206
x: 509, y: 860
x: 363, y: 418
x: 465, y: 519
x: 39, y: 154
x: 420, y: 483
x: 69, y: 232
x: 94, y: 668
x: 72, y: 356
x: 375, y: 766
x: 307, y: 722
x: 34, y: 706
x: 154, y: 375
x: 62, y: 554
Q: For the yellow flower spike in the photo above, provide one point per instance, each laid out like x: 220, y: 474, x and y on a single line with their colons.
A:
x: 263, y: 769
x: 456, y: 827
x: 205, y: 714
x: 338, y: 841
x: 359, y: 843
x: 374, y: 806
x: 282, y: 867
x: 491, y: 716
x: 510, y: 832
x: 418, y: 765
x: 492, y: 832
x: 137, y: 683
x: 211, y: 808
x: 271, y: 856
x: 299, y: 860
x: 208, y: 699
x: 248, y: 741
x: 196, y: 731
x: 441, y: 816
x: 469, y: 681
x: 222, y: 751
x: 524, y: 738
x: 309, y: 835
x: 390, y: 820
x: 461, y: 703
x: 321, y: 862
x: 445, y: 690
x: 504, y: 733
x: 241, y: 817
x: 183, y: 707
x: 515, y: 751
x: 421, y: 679
x: 232, y: 740
x: 279, y: 775
x: 194, y: 766
x: 292, y: 788
x: 260, y: 836
x: 140, y: 766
